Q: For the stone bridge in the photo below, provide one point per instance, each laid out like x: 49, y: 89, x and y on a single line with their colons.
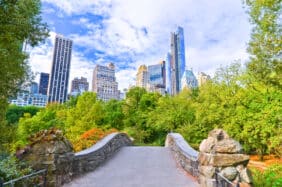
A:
x: 115, y: 162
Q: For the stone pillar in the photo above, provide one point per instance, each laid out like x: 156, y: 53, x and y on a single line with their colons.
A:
x: 222, y: 154
x: 50, y: 149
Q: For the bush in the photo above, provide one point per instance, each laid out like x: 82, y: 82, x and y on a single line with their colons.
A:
x: 11, y: 168
x: 90, y: 137
x: 271, y: 177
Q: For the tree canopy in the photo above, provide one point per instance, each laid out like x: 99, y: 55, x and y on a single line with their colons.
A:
x: 20, y: 24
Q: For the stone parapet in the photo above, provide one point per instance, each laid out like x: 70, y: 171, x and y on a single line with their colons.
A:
x: 53, y: 151
x: 89, y: 159
x: 184, y: 154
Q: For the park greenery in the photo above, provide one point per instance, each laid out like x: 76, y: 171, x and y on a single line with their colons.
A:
x: 244, y: 100
x: 20, y: 24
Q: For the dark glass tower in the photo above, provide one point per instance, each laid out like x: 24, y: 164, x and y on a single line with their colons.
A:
x: 177, y: 61
x: 43, y: 83
x: 58, y: 85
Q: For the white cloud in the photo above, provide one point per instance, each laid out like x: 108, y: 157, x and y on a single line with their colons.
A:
x: 216, y: 33
x: 82, y: 6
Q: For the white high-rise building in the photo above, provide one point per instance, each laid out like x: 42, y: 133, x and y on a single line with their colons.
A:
x: 142, y: 76
x: 104, y: 82
x: 59, y: 77
x: 202, y: 78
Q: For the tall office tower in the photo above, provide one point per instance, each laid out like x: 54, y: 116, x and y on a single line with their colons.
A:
x: 142, y: 76
x: 79, y: 85
x: 59, y: 79
x: 156, y: 73
x: 202, y: 78
x: 43, y: 83
x: 177, y: 60
x: 33, y: 89
x: 104, y: 82
x: 189, y: 80
x: 156, y: 78
x: 168, y: 74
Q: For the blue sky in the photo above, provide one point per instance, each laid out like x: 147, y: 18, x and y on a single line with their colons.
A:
x: 130, y: 33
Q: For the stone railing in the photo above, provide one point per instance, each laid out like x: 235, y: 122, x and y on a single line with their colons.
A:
x: 91, y: 158
x: 63, y: 164
x: 184, y: 154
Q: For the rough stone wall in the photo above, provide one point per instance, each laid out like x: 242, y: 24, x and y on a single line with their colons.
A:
x: 221, y: 154
x: 185, y: 155
x: 89, y: 159
x: 52, y: 151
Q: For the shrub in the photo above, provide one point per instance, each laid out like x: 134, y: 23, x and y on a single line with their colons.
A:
x: 271, y: 177
x: 90, y: 137
x: 11, y: 168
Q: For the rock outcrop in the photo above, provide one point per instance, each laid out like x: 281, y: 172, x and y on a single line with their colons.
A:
x: 50, y: 150
x: 221, y: 154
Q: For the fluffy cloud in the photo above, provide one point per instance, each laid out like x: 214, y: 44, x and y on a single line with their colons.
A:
x: 131, y: 33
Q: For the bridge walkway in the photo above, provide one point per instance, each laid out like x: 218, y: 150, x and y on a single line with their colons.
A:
x: 137, y: 166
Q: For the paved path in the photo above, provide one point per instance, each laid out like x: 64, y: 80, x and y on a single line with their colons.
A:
x: 137, y: 167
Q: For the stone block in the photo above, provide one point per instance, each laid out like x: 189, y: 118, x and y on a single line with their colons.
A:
x: 218, y: 134
x: 229, y: 172
x: 207, y: 171
x: 245, y: 175
x: 207, y: 145
x: 219, y: 160
x: 228, y: 146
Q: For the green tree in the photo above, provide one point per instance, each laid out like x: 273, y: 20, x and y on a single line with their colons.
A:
x: 14, y: 113
x: 20, y: 22
x: 265, y: 45
x: 113, y: 114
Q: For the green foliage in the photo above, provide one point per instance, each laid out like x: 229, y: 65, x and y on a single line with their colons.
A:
x: 14, y: 113
x: 113, y: 114
x: 11, y: 168
x: 44, y: 119
x: 20, y: 23
x: 271, y: 177
x: 265, y: 45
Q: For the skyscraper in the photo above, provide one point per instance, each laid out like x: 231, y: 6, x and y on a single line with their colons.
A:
x: 156, y: 78
x: 168, y: 73
x: 58, y: 85
x: 43, y: 83
x: 33, y: 89
x: 104, y: 82
x: 202, y: 78
x: 156, y: 74
x: 142, y: 76
x: 189, y: 80
x: 177, y: 61
x: 79, y: 85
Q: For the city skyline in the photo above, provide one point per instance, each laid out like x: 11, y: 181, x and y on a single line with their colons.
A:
x: 130, y: 38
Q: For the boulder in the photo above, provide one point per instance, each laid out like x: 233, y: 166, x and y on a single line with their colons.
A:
x: 224, y: 160
x: 218, y: 134
x: 228, y: 146
x: 245, y: 174
x: 207, y: 145
x: 229, y: 172
x: 207, y: 171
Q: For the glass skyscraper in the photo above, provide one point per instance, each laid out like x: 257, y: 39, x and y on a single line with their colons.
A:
x: 156, y: 78
x: 156, y: 74
x: 43, y: 83
x: 176, y: 62
x: 189, y: 80
x: 58, y: 85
